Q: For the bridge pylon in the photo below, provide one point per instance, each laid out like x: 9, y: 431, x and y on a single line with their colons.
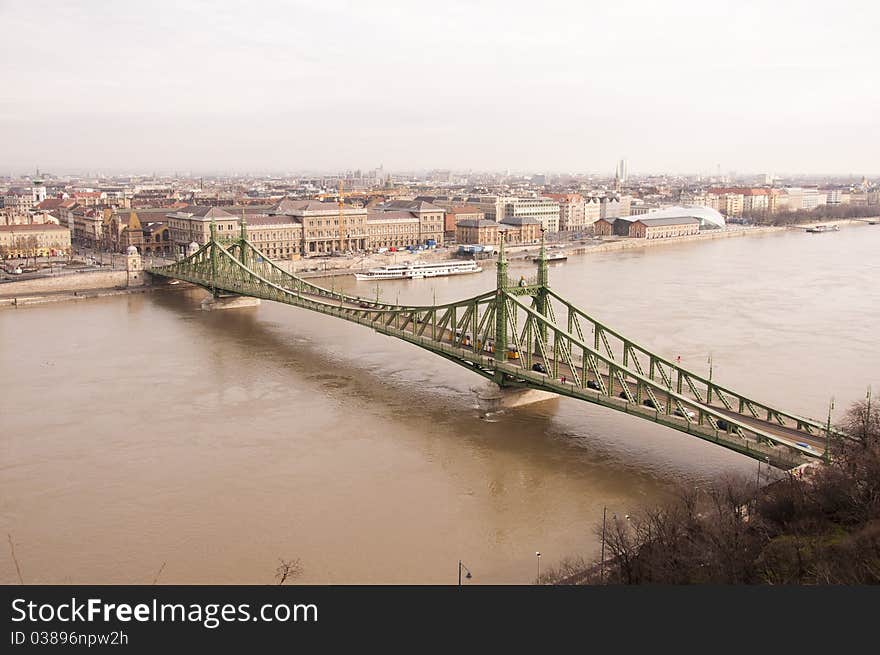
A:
x: 242, y: 241
x: 542, y: 297
x: 214, y: 258
x: 500, y: 311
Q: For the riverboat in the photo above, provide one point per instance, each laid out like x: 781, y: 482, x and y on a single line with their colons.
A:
x: 417, y: 271
x: 553, y: 257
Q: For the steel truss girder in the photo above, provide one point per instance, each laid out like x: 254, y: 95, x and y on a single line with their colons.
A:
x: 681, y: 402
x: 240, y: 268
x: 691, y: 379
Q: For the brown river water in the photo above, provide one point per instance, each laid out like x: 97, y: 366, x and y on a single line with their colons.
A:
x: 137, y: 431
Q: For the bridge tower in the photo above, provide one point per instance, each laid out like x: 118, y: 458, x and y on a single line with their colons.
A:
x: 242, y: 247
x: 500, y: 311
x: 542, y: 296
x: 214, y: 259
x: 134, y: 267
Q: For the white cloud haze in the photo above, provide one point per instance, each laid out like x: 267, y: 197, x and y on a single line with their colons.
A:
x: 553, y: 86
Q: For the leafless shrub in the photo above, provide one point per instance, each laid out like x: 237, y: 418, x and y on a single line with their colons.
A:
x: 288, y: 570
x: 14, y: 558
x: 818, y: 529
x: 159, y: 572
x: 569, y: 570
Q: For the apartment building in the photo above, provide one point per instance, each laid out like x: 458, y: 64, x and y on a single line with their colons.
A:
x: 572, y: 210
x: 35, y: 240
x: 88, y: 226
x: 192, y: 224
x: 609, y: 207
x: 545, y: 210
x: 516, y: 230
x: 756, y: 200
x: 458, y: 213
x: 728, y: 201
x: 392, y: 229
x: 326, y: 228
x: 592, y: 210
x: 429, y: 215
x: 278, y: 237
x: 18, y: 202
x: 61, y: 208
x: 476, y: 230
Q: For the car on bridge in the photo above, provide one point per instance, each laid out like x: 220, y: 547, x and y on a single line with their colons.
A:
x: 687, y: 413
x: 539, y: 367
x: 592, y: 384
x: 647, y: 402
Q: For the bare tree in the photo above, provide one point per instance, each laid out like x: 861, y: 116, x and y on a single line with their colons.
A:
x: 159, y: 572
x: 288, y: 570
x: 14, y: 558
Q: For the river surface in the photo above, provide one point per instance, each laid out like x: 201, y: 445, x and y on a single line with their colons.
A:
x: 140, y: 436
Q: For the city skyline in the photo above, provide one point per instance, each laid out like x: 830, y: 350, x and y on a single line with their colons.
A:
x: 210, y: 87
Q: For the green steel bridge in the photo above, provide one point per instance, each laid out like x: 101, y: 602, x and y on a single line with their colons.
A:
x: 503, y: 333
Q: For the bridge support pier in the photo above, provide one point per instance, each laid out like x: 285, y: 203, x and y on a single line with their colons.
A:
x: 212, y: 303
x: 493, y: 398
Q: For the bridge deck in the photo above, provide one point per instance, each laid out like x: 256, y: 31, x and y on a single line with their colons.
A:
x: 464, y: 331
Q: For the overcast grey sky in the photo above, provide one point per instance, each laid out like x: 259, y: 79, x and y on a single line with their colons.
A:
x: 680, y: 85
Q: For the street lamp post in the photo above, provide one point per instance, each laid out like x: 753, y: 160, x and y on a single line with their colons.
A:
x: 827, y: 454
x: 468, y: 575
x: 602, y: 561
x: 709, y: 386
x: 538, y: 558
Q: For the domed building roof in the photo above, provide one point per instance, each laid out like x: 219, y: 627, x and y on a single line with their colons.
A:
x: 131, y: 250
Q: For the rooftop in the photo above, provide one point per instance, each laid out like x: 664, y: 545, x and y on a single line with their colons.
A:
x: 411, y: 205
x: 373, y: 216
x: 476, y: 222
x: 34, y: 227
x: 295, y: 207
x: 521, y: 220
x: 194, y: 211
x: 280, y: 219
x: 671, y: 220
x: 55, y: 203
x: 464, y: 209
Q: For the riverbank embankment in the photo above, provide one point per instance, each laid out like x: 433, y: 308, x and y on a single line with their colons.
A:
x: 24, y: 299
x: 94, y: 284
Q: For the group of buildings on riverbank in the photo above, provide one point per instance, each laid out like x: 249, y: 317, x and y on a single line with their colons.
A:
x: 308, y: 219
